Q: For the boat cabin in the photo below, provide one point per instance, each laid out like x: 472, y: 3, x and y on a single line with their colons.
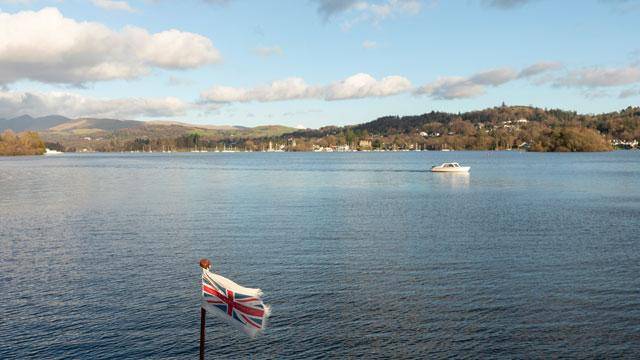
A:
x: 450, y: 167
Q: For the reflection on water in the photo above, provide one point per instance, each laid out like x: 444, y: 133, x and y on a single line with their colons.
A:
x: 360, y: 255
x: 453, y: 180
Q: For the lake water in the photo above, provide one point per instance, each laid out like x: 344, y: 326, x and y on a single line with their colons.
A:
x: 359, y: 254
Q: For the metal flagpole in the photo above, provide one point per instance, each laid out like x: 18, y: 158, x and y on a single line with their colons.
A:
x: 203, y: 313
x: 205, y: 264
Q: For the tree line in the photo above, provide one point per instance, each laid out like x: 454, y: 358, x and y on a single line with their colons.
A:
x: 25, y: 143
x: 499, y: 128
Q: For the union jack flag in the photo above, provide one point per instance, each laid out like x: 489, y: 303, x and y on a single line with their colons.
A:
x: 239, y: 306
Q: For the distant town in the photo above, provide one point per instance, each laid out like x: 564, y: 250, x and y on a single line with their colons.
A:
x: 504, y: 127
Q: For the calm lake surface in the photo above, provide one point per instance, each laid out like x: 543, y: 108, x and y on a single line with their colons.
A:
x: 359, y: 254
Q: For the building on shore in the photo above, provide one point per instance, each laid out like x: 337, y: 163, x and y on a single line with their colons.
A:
x: 364, y: 144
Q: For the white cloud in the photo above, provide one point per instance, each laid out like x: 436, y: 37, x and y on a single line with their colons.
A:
x: 354, y: 87
x: 45, y: 46
x: 364, y: 85
x: 14, y: 103
x: 113, y: 5
x: 373, y: 11
x: 456, y: 87
x: 175, y: 49
x: 588, y: 79
x: 539, y: 68
x: 369, y: 44
x: 267, y: 51
x: 494, y: 77
x: 285, y: 89
x: 599, y: 77
x: 448, y: 88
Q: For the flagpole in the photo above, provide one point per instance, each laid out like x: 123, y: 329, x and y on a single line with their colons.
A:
x: 205, y: 264
x: 203, y: 312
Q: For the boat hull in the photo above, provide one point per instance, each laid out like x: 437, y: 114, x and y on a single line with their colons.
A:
x: 462, y: 169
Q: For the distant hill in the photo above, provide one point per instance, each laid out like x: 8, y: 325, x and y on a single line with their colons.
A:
x: 96, y: 124
x: 26, y: 122
x: 110, y: 134
x: 56, y: 124
x: 497, y: 128
x: 623, y: 124
x: 211, y: 127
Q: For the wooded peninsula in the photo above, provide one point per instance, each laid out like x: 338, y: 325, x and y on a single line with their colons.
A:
x: 26, y: 143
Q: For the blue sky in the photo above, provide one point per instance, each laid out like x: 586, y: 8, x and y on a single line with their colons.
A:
x: 314, y: 62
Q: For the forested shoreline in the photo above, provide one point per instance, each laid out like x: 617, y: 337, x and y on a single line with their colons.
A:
x: 504, y: 127
x: 499, y: 128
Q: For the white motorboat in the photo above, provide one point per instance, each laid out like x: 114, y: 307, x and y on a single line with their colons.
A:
x: 52, y: 152
x: 451, y: 167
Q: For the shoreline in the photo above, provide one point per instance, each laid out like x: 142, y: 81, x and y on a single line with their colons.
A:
x: 312, y: 152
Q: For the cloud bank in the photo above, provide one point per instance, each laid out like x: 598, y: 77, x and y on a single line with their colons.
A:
x: 457, y: 87
x: 354, y: 87
x: 364, y: 85
x: 14, y: 103
x: 594, y: 77
x: 539, y: 68
x: 45, y: 46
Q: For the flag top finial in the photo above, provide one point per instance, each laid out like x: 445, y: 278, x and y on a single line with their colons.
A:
x: 205, y: 264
